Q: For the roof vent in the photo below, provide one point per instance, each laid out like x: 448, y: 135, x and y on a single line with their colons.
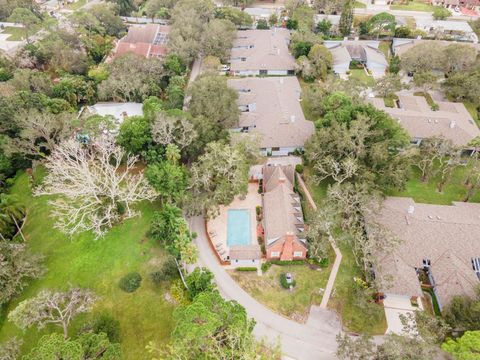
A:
x: 439, y: 218
x: 429, y: 121
x: 436, y: 121
x: 452, y: 124
x: 292, y: 118
x: 411, y: 209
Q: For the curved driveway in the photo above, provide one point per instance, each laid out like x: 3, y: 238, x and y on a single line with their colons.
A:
x: 314, y: 340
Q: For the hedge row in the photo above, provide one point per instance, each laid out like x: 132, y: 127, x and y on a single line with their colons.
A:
x: 246, y: 268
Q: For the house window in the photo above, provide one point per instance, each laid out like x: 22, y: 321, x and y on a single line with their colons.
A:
x: 263, y: 72
x: 275, y: 149
x: 297, y: 254
x: 291, y: 72
x: 476, y: 266
x: 275, y: 254
x: 243, y: 59
x: 426, y: 263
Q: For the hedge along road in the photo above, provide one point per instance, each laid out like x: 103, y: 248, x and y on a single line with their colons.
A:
x: 314, y: 340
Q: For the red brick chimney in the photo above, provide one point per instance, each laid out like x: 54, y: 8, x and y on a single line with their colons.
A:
x: 287, y: 251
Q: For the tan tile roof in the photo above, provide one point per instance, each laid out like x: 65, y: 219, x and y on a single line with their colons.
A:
x: 245, y: 252
x: 282, y: 208
x: 263, y: 50
x: 272, y: 176
x: 452, y: 121
x: 276, y: 112
x: 144, y: 40
x: 447, y: 235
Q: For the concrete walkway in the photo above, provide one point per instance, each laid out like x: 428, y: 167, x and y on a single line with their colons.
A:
x: 314, y: 340
x: 338, y: 254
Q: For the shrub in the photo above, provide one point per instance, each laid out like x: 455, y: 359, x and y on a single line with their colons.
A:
x: 105, y: 323
x: 266, y: 266
x: 178, y: 292
x: 130, y: 282
x: 258, y: 209
x: 246, y: 268
x: 322, y: 263
x: 167, y: 272
x: 284, y: 283
x: 262, y: 25
x: 299, y: 168
x: 284, y: 262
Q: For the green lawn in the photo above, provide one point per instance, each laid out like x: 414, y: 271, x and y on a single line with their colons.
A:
x: 362, y: 77
x: 16, y: 33
x: 294, y: 304
x: 472, y: 109
x: 427, y: 192
x: 76, y: 5
x: 359, y: 5
x: 415, y: 5
x: 343, y: 300
x: 384, y: 47
x: 98, y: 265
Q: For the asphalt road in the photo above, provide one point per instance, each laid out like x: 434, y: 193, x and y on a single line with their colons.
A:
x: 314, y: 340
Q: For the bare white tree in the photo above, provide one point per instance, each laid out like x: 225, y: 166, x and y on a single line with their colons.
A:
x: 97, y: 186
x: 173, y: 130
x: 49, y: 307
x: 338, y: 170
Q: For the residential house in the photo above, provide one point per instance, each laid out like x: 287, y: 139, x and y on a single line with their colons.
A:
x: 334, y: 20
x: 262, y: 52
x: 118, y: 111
x: 365, y: 52
x: 401, y: 46
x: 258, y: 13
x: 283, y: 218
x: 270, y: 107
x: 440, y: 241
x: 469, y: 4
x: 147, y: 40
x: 447, y: 29
x: 451, y: 121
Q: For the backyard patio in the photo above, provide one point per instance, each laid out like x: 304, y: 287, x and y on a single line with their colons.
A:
x: 240, y: 217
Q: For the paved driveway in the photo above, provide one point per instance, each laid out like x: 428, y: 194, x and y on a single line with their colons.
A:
x: 314, y: 340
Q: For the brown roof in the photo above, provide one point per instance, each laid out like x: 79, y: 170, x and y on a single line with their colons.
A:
x: 452, y: 121
x: 273, y: 175
x: 262, y: 50
x: 282, y: 209
x: 245, y: 252
x: 447, y: 235
x: 274, y: 110
x: 144, y: 40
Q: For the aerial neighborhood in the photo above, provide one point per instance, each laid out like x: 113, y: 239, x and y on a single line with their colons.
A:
x: 239, y: 179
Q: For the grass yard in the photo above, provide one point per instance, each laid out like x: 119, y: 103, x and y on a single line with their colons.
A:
x: 384, y: 47
x: 359, y: 5
x: 76, y: 5
x: 16, y: 33
x: 97, y: 264
x: 472, y: 109
x: 294, y: 304
x: 427, y: 192
x: 362, y: 77
x: 343, y: 300
x: 415, y: 5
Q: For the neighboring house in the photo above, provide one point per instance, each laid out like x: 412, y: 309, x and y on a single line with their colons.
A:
x: 364, y: 51
x: 262, y: 52
x: 283, y: 218
x: 439, y: 240
x: 270, y: 107
x: 258, y: 13
x: 449, y: 29
x: 452, y: 121
x: 119, y: 111
x: 148, y: 40
x: 401, y: 46
x: 470, y: 4
x: 334, y: 20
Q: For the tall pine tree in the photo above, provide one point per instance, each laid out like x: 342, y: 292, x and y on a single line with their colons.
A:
x: 346, y: 19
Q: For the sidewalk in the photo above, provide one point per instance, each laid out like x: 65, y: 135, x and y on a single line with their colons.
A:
x: 338, y: 254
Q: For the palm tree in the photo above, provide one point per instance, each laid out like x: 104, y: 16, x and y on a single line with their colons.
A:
x: 11, y: 208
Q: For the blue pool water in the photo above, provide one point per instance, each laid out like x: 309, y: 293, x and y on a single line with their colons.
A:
x: 238, y: 228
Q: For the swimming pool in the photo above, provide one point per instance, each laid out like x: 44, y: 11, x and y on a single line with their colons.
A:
x: 238, y: 228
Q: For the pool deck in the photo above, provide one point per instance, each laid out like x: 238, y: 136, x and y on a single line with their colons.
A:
x: 217, y: 227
